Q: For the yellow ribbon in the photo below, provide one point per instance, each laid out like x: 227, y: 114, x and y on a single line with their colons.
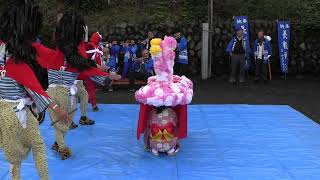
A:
x: 167, y: 136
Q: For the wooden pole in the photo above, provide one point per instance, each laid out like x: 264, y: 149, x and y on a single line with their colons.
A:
x: 285, y: 76
x: 269, y: 65
x: 210, y: 21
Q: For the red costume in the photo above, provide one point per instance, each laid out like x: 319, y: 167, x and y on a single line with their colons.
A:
x: 94, y: 53
x: 182, y: 115
x: 23, y: 74
x: 54, y: 59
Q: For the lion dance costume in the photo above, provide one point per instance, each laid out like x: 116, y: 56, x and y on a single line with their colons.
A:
x: 164, y: 100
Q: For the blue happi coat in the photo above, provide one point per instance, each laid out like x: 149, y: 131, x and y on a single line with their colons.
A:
x: 133, y: 50
x: 128, y: 55
x: 267, y: 52
x: 182, y: 50
x: 114, y: 52
x: 246, y: 46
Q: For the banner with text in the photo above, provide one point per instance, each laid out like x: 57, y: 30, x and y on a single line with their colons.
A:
x: 284, y: 44
x: 242, y: 22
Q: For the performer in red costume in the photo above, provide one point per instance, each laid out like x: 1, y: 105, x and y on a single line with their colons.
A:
x: 19, y: 87
x: 82, y: 93
x: 164, y: 100
x: 66, y: 64
x: 95, y: 53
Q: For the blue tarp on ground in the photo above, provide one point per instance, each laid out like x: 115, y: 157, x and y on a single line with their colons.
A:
x: 242, y: 142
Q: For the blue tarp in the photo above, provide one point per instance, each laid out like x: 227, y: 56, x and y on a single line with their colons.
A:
x: 225, y: 142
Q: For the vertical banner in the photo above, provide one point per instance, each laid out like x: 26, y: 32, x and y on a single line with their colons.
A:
x: 242, y: 22
x: 284, y: 42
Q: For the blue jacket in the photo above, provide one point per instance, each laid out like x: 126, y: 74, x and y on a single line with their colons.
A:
x: 182, y: 50
x: 115, y: 49
x: 133, y: 51
x: 127, y: 54
x: 267, y: 49
x: 114, y: 52
x: 148, y: 66
x: 247, y: 49
x: 232, y: 43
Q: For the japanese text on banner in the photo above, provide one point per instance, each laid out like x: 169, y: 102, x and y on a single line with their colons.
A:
x: 284, y: 44
x: 242, y: 22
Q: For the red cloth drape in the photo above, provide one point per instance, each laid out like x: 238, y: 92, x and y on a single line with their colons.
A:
x: 54, y: 59
x: 182, y: 114
x: 24, y: 75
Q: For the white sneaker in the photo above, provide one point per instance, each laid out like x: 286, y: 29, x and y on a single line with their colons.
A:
x: 154, y: 152
x: 174, y: 151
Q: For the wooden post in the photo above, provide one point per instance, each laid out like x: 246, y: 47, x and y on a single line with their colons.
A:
x: 285, y: 76
x: 86, y: 34
x: 210, y: 20
x: 269, y: 65
x: 205, y: 51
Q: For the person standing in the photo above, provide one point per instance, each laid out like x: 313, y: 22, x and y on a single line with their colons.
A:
x: 127, y: 59
x: 262, y: 54
x: 19, y: 87
x: 181, y: 61
x: 238, y: 49
x: 114, y: 56
x: 66, y: 64
x: 94, y: 51
x: 147, y: 41
x: 83, y: 96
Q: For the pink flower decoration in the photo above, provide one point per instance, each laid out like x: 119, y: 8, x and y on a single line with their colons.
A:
x: 166, y: 89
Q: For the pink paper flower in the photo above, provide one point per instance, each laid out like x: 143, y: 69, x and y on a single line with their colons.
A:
x: 165, y: 89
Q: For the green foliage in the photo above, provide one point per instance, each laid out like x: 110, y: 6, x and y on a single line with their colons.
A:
x: 302, y: 14
x: 156, y: 11
x: 91, y: 5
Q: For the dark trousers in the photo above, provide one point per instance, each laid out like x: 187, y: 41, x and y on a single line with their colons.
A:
x: 137, y: 75
x: 180, y: 69
x: 237, y: 62
x: 261, y: 70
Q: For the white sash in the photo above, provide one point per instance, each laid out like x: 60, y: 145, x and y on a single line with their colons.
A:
x: 96, y: 51
x: 73, y: 91
x: 21, y: 113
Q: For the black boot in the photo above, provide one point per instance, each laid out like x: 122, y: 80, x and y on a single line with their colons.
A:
x: 84, y: 120
x: 73, y: 125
